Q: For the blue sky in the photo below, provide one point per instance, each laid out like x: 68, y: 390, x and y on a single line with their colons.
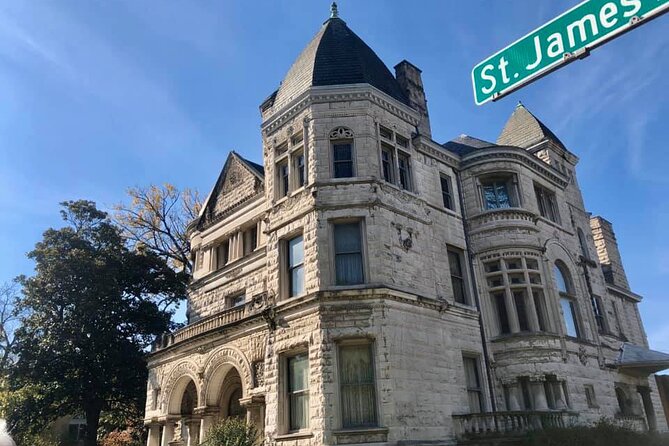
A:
x: 97, y: 96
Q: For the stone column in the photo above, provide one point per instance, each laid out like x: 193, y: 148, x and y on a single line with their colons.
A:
x: 255, y: 411
x: 511, y: 312
x: 153, y: 439
x: 514, y: 396
x: 648, y: 407
x: 538, y: 393
x: 206, y: 416
x: 168, y: 431
x: 193, y: 426
x: 558, y: 391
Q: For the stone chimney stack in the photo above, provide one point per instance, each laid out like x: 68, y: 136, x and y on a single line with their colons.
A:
x: 409, y: 78
x: 608, y: 253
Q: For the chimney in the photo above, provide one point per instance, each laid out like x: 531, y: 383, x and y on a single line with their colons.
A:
x: 409, y: 78
x: 607, y: 251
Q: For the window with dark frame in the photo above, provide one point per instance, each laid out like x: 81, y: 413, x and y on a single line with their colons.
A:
x: 295, y: 251
x: 583, y: 243
x: 387, y: 163
x: 357, y: 386
x: 567, y: 300
x: 547, y: 203
x: 474, y: 387
x: 299, y: 169
x: 600, y: 315
x: 519, y: 299
x: 342, y: 159
x: 348, y: 253
x: 499, y: 192
x: 236, y: 301
x: 283, y: 176
x: 446, y: 191
x: 590, y: 396
x: 222, y: 251
x: 502, y: 314
x: 455, y: 264
x: 404, y: 166
x: 297, y: 389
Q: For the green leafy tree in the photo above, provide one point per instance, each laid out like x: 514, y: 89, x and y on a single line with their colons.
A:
x: 231, y: 432
x: 91, y: 310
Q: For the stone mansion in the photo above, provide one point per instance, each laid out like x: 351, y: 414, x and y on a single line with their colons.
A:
x: 367, y: 284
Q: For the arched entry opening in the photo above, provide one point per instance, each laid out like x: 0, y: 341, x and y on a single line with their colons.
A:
x: 231, y: 393
x: 181, y: 411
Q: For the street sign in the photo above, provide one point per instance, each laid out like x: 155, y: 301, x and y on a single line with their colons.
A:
x: 564, y: 39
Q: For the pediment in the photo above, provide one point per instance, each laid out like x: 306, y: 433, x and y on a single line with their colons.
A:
x: 238, y: 182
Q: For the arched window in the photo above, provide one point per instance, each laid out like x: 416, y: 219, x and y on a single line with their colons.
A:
x: 341, y: 139
x: 567, y: 299
x: 583, y: 243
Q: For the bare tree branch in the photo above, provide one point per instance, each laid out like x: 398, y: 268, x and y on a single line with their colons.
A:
x: 156, y: 219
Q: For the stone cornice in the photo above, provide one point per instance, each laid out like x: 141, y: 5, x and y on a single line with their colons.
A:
x: 508, y: 153
x: 315, y: 95
x: 424, y: 146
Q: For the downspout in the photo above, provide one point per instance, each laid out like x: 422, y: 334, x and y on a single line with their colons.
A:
x: 477, y: 300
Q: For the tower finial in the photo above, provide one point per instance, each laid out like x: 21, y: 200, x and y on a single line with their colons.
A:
x: 334, y: 12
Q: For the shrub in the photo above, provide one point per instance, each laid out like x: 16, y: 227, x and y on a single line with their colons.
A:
x: 602, y: 433
x: 231, y: 432
x: 119, y: 438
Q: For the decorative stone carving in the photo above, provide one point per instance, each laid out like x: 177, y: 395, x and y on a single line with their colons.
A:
x: 229, y: 355
x: 582, y: 355
x: 179, y: 371
x: 259, y: 373
x: 341, y: 133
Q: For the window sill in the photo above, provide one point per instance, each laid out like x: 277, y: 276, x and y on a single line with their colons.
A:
x: 294, y: 435
x: 280, y: 200
x: 296, y: 191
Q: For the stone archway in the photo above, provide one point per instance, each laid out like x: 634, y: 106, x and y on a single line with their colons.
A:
x: 217, y: 368
x: 181, y: 400
x: 231, y: 394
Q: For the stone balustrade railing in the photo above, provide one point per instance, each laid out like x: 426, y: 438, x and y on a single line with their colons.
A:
x: 633, y: 422
x: 509, y: 423
x: 503, y: 217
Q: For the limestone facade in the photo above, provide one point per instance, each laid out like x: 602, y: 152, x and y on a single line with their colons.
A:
x: 414, y: 283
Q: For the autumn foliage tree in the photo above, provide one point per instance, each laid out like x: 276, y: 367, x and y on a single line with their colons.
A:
x: 90, y: 311
x: 156, y: 219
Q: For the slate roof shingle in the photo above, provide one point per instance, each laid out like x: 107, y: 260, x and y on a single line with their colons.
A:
x: 337, y: 56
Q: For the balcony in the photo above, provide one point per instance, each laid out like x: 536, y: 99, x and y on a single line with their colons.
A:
x: 258, y: 305
x: 497, y: 424
x: 507, y: 218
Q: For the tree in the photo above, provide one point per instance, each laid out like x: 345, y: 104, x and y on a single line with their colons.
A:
x: 157, y: 218
x: 9, y: 319
x: 231, y: 432
x: 91, y: 310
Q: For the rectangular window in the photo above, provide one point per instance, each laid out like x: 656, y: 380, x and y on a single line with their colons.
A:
x: 342, y: 160
x: 455, y: 263
x: 250, y: 240
x: 385, y: 133
x: 598, y: 309
x: 222, y: 254
x: 357, y: 386
x: 404, y: 164
x: 524, y: 382
x: 547, y: 203
x: 348, y: 254
x: 521, y: 310
x: 300, y: 173
x: 446, y: 191
x: 502, y: 315
x: 236, y: 301
x: 540, y: 305
x: 402, y: 141
x: 283, y: 187
x: 568, y: 307
x: 388, y: 163
x: 590, y: 396
x: 296, y: 266
x: 498, y: 193
x: 474, y: 388
x: 298, y: 392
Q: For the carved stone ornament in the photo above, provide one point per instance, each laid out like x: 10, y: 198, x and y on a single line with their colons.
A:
x: 582, y: 355
x: 259, y: 373
x: 341, y: 133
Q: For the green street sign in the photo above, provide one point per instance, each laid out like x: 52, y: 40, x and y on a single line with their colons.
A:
x: 564, y: 39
